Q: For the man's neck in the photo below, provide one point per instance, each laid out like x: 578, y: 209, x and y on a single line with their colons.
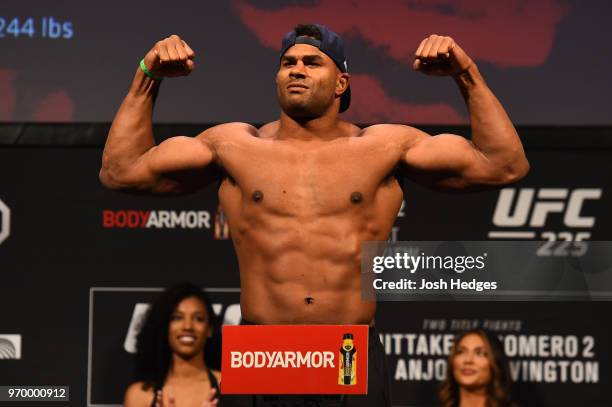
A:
x: 326, y: 127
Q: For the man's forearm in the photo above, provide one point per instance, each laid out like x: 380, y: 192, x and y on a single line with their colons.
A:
x: 492, y: 131
x: 131, y: 133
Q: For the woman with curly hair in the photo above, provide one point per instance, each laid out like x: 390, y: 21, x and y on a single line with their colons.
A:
x: 477, y: 374
x: 171, y: 353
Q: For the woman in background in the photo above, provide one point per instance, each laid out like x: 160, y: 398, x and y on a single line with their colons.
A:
x: 171, y: 368
x: 478, y: 373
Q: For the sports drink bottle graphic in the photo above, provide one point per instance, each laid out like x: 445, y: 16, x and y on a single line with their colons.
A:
x: 221, y: 225
x: 347, y: 375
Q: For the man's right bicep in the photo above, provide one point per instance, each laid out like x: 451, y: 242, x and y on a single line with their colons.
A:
x: 178, y: 154
x: 178, y: 164
x: 170, y: 167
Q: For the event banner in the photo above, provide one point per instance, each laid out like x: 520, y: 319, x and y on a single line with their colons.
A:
x: 558, y: 352
x: 295, y: 359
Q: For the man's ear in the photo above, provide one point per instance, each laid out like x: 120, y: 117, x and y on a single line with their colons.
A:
x: 342, y: 83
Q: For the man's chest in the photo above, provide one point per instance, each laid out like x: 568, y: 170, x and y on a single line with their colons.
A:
x: 323, y: 165
x: 323, y: 181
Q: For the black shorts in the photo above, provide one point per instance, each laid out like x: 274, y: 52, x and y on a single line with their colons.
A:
x: 378, y: 387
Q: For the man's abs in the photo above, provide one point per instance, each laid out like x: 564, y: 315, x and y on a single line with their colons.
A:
x: 303, y: 274
x: 334, y: 299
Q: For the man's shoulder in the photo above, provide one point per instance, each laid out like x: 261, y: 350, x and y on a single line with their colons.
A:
x: 399, y: 133
x: 389, y: 128
x: 268, y: 130
x: 220, y: 134
x: 233, y: 128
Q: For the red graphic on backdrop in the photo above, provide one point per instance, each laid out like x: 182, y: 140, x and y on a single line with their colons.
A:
x: 505, y: 33
x: 8, y: 94
x: 55, y: 107
x: 513, y: 33
x: 379, y: 106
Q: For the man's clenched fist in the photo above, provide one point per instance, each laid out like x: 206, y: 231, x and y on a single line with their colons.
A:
x: 440, y: 55
x: 170, y: 57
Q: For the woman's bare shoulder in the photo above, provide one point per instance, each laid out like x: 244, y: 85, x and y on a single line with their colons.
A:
x: 217, y: 375
x: 137, y: 396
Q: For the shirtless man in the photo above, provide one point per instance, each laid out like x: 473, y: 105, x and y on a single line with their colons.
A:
x: 303, y: 192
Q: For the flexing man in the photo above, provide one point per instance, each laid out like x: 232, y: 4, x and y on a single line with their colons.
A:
x: 303, y: 192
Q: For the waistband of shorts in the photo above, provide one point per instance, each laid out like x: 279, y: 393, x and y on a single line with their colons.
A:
x: 371, y: 328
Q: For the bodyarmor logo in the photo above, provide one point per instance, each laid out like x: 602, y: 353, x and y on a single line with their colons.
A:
x: 519, y: 209
x: 5, y: 221
x: 133, y: 219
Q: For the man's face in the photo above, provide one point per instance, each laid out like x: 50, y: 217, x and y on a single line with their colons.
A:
x: 308, y: 82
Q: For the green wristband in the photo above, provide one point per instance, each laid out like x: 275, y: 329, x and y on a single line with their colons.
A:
x: 147, y: 72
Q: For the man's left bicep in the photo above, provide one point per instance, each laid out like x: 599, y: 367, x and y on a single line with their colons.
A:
x: 448, y: 160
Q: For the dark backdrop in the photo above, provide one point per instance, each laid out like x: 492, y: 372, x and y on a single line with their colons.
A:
x: 74, y: 272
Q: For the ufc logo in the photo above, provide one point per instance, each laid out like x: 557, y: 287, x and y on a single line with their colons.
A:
x: 515, y: 211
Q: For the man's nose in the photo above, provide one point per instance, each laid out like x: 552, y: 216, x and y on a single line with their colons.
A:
x: 298, y: 70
